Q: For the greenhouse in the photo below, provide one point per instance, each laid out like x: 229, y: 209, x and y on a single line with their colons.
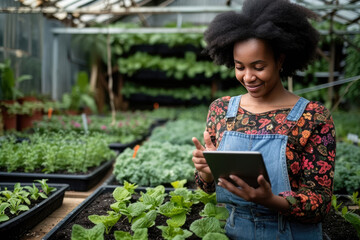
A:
x: 178, y: 119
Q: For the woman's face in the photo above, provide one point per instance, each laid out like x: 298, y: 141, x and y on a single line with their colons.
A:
x: 256, y: 68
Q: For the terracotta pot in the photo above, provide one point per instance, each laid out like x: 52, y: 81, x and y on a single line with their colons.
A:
x: 25, y: 121
x: 9, y: 120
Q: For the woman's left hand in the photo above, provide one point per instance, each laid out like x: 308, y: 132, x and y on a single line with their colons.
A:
x: 260, y: 195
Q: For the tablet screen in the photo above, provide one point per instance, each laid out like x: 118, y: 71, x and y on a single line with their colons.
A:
x: 247, y: 165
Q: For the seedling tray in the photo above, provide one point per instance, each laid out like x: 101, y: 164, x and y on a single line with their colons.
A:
x: 77, y: 182
x: 15, y: 227
x: 76, y: 211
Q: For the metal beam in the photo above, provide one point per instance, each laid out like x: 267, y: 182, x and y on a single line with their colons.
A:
x: 74, y: 31
x: 123, y: 11
x: 125, y: 30
x: 155, y: 10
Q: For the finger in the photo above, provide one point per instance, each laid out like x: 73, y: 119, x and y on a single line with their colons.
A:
x: 230, y: 187
x: 208, y: 143
x: 198, y: 144
x: 262, y: 182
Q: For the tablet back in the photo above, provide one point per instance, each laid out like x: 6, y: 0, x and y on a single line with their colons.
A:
x: 247, y: 165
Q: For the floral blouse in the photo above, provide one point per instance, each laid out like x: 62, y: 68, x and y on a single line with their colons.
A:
x: 310, y: 153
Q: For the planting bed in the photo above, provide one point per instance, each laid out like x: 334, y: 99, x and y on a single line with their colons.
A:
x: 98, y: 203
x: 38, y: 210
x: 334, y: 226
x: 76, y: 181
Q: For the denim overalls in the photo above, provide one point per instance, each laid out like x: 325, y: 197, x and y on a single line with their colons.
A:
x: 248, y: 220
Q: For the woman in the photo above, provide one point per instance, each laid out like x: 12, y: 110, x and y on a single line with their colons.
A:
x: 268, y: 41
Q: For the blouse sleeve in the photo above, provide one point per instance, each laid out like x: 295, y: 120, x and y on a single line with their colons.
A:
x: 216, y: 110
x: 311, y: 177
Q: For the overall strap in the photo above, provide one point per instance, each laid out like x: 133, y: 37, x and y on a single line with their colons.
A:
x: 297, y: 111
x: 232, y: 112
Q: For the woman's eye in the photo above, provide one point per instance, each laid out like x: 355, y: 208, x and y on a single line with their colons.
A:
x: 240, y: 68
x: 259, y: 68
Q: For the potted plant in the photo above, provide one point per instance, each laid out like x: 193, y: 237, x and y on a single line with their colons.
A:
x: 9, y: 92
x: 80, y: 99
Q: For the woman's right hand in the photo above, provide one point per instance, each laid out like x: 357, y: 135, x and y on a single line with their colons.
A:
x: 198, y: 157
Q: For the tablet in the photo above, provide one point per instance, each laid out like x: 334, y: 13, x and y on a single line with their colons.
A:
x: 247, y: 165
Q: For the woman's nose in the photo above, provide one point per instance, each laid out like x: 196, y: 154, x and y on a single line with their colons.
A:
x: 248, y: 76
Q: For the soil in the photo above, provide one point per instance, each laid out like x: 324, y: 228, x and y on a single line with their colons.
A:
x: 334, y: 226
x: 100, y: 206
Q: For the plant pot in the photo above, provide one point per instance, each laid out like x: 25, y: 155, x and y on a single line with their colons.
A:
x: 9, y: 120
x: 77, y: 182
x: 24, y: 122
x: 15, y: 227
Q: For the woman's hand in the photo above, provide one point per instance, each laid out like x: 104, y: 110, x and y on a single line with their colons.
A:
x: 260, y: 195
x: 198, y: 157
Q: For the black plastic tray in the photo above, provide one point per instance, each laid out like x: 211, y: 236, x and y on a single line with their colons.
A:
x: 77, y: 182
x: 76, y: 211
x: 15, y: 227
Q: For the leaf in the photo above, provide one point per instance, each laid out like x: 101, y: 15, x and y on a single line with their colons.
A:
x: 211, y: 210
x: 121, y: 194
x: 3, y: 218
x: 177, y: 220
x: 179, y: 184
x: 139, y: 234
x: 206, y: 225
x: 217, y: 236
x: 144, y: 221
x: 171, y: 233
x: 80, y: 233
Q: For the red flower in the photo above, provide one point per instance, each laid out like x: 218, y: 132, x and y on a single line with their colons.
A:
x: 295, y: 167
x: 218, y: 110
x: 264, y: 122
x: 325, y: 129
x: 279, y: 118
x: 324, y: 167
x: 323, y: 181
x: 306, y: 164
x: 331, y: 156
x: 316, y: 139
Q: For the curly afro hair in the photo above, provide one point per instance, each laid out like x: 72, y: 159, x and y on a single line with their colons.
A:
x: 284, y: 25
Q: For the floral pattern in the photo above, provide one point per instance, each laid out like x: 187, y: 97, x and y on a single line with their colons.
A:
x: 310, y: 153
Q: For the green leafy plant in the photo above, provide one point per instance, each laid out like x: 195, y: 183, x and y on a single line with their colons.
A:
x: 16, y: 207
x: 349, y: 216
x: 95, y: 233
x: 80, y: 95
x: 139, y: 234
x: 347, y: 174
x: 35, y: 193
x: 155, y: 163
x: 204, y: 226
x: 9, y: 84
x: 108, y: 221
x: 3, y: 207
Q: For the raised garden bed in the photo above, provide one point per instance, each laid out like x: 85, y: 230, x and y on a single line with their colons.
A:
x: 17, y: 226
x: 76, y: 181
x: 334, y: 226
x: 99, y: 203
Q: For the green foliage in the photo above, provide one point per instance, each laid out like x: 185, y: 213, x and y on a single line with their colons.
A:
x: 192, y: 92
x: 51, y: 152
x: 179, y: 68
x: 139, y: 234
x: 211, y: 210
x: 80, y: 95
x: 347, y: 168
x: 349, y: 216
x: 352, y: 68
x: 9, y: 89
x: 127, y: 128
x: 17, y: 201
x: 155, y: 163
x: 45, y: 187
x: 203, y: 226
x: 179, y: 132
x: 108, y: 221
x: 345, y: 123
x: 143, y: 212
x: 81, y: 233
x: 179, y: 184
